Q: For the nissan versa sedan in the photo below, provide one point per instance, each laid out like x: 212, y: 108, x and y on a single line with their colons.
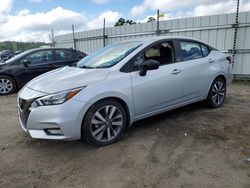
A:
x: 124, y: 82
x: 19, y: 70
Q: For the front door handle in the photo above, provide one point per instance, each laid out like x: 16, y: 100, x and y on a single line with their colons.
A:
x: 210, y: 61
x: 176, y: 71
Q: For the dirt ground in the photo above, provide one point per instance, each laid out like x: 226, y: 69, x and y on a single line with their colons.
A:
x: 190, y: 147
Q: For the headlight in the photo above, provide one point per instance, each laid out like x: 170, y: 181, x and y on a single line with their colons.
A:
x: 55, y: 99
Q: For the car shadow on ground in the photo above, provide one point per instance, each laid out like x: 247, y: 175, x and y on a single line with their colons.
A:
x: 154, y: 121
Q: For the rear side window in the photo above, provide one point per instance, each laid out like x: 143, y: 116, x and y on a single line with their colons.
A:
x: 190, y: 50
x: 64, y: 55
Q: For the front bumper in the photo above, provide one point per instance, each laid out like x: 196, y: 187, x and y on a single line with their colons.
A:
x: 66, y: 117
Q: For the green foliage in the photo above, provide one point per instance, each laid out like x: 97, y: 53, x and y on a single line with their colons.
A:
x: 122, y: 21
x: 23, y: 46
x: 151, y: 19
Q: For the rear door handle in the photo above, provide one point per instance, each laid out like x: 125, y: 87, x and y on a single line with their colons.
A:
x: 176, y: 71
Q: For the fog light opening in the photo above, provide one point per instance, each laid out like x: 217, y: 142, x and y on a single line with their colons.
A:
x: 54, y: 132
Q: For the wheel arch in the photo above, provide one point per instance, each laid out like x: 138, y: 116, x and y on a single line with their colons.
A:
x: 221, y: 75
x: 123, y: 103
x: 118, y: 99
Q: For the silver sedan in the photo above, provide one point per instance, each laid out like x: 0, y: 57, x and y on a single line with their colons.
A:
x: 120, y: 84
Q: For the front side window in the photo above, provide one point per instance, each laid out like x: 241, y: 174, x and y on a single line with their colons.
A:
x: 190, y: 50
x: 64, y: 55
x: 108, y: 56
x: 138, y: 61
x: 162, y: 52
x: 40, y: 57
x: 205, y: 50
x: 153, y: 52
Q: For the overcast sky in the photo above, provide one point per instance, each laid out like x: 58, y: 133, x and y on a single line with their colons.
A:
x: 32, y: 20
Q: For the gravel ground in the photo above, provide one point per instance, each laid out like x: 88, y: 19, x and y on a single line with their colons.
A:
x: 190, y: 147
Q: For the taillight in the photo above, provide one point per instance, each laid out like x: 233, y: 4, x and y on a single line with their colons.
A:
x: 229, y: 59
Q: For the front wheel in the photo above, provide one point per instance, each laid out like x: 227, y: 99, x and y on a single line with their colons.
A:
x: 104, y: 123
x: 217, y: 93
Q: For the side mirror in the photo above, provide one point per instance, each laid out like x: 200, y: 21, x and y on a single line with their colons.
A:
x: 26, y: 62
x: 148, y: 65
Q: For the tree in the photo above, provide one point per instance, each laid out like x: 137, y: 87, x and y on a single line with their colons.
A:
x: 151, y: 19
x: 130, y: 22
x: 122, y: 21
x: 22, y: 46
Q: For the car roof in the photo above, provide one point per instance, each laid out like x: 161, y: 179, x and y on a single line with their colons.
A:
x: 52, y: 48
x: 146, y: 40
x: 5, y: 52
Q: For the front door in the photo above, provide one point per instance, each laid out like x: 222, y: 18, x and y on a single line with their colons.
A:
x: 38, y: 63
x: 159, y: 88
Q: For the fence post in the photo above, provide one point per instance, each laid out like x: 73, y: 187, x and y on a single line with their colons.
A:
x: 52, y: 38
x: 157, y: 24
x: 104, y: 32
x: 73, y: 35
x: 236, y: 25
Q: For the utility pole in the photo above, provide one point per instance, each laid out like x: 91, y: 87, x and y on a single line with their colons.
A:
x: 236, y: 25
x: 73, y: 36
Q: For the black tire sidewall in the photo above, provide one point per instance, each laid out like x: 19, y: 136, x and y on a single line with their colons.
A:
x: 13, y: 84
x: 209, y: 98
x: 86, y: 126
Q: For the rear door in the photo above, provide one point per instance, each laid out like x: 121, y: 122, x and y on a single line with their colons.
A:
x: 197, y: 66
x: 64, y: 57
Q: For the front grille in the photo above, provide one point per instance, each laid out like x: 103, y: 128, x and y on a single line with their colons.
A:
x: 21, y: 103
x: 24, y: 111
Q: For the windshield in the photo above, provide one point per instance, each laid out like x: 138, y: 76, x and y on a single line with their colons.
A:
x: 108, y: 56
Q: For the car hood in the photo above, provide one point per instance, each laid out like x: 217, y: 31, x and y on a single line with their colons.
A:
x: 66, y: 78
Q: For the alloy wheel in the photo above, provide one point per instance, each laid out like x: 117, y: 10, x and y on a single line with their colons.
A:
x: 5, y: 86
x: 106, y: 123
x: 218, y: 92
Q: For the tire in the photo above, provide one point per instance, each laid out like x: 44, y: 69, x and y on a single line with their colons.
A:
x: 217, y: 93
x: 104, y: 123
x: 7, y: 85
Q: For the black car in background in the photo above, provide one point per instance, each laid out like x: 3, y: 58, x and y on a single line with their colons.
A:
x: 1, y: 60
x: 6, y: 54
x: 19, y: 70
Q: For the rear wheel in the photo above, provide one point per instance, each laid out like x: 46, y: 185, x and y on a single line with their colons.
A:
x: 7, y: 85
x: 104, y: 123
x: 217, y: 93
